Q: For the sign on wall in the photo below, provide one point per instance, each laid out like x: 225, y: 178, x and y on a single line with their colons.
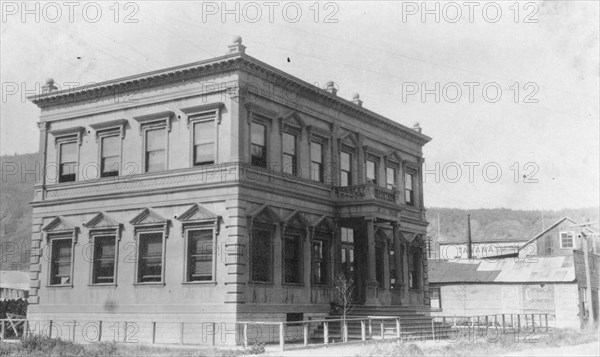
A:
x: 538, y: 298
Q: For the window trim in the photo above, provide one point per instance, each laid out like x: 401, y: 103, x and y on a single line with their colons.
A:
x: 138, y: 234
x: 267, y: 124
x: 396, y: 167
x: 296, y: 158
x: 296, y: 235
x: 52, y: 237
x: 375, y: 161
x: 104, y: 233
x: 571, y: 234
x: 161, y: 120
x: 439, y: 289
x: 186, y: 229
x: 351, y: 154
x: 100, y: 139
x: 412, y: 174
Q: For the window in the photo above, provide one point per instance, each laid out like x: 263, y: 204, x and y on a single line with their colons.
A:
x: 379, y: 265
x: 204, y: 142
x: 345, y: 169
x: 320, y: 259
x: 390, y: 177
x: 409, y: 194
x: 347, y: 235
x: 68, y: 162
x: 260, y: 255
x: 566, y: 240
x: 155, y: 150
x: 61, y: 261
x: 289, y: 154
x: 371, y: 171
x: 347, y: 252
x: 110, y: 156
x: 150, y: 258
x: 292, y: 259
x: 199, y: 255
x: 316, y: 158
x: 549, y: 243
x: 413, y: 262
x: 103, y: 271
x: 259, y: 144
x: 435, y: 298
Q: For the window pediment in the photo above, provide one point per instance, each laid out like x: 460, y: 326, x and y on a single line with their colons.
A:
x: 148, y: 219
x: 102, y: 223
x: 203, y: 112
x: 60, y: 226
x: 155, y: 120
x: 69, y: 134
x: 109, y: 127
x: 264, y: 214
x: 197, y: 215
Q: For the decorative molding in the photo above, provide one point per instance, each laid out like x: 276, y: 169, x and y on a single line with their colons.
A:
x: 62, y: 135
x: 60, y: 226
x: 198, y: 215
x: 162, y: 118
x: 262, y: 112
x: 204, y: 111
x: 147, y: 218
x: 109, y: 126
x: 103, y: 223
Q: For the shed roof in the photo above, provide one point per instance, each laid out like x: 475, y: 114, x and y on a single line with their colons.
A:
x: 510, y: 270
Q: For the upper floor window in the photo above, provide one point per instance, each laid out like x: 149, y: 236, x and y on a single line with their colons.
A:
x: 390, y: 177
x: 289, y: 154
x: 345, y: 169
x: 103, y: 269
x: 371, y: 171
x: 155, y: 158
x: 68, y: 161
x: 204, y: 142
x: 567, y: 240
x: 347, y: 235
x: 199, y: 255
x: 409, y: 191
x: 110, y: 156
x: 258, y: 133
x: 150, y: 257
x: 61, y: 263
x: 316, y: 160
x: 260, y: 255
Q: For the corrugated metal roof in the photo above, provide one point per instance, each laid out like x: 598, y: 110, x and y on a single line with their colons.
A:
x: 510, y: 270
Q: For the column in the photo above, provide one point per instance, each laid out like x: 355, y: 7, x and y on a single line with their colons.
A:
x: 386, y: 298
x: 372, y: 284
x: 405, y: 271
x: 398, y: 253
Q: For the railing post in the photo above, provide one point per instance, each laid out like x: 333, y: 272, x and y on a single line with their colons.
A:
x: 2, y: 334
x: 345, y: 331
x: 518, y: 323
x: 153, y: 332
x: 100, y: 331
x: 382, y: 329
x: 245, y: 326
x: 50, y: 330
x: 546, y: 315
x: 503, y: 324
x: 370, y: 327
x: 325, y: 332
x: 305, y: 331
x: 433, y: 328
x: 281, y: 335
x: 181, y: 334
x: 125, y: 332
x: 398, y: 328
x: 74, y: 327
x: 26, y: 329
x: 363, y: 330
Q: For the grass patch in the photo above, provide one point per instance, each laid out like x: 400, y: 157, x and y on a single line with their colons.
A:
x: 40, y: 346
x: 479, y: 346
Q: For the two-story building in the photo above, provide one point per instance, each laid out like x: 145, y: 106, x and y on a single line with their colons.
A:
x: 220, y: 191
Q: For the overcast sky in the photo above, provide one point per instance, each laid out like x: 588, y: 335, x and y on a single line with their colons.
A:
x: 544, y: 57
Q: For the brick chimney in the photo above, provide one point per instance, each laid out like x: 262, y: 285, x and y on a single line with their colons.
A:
x: 356, y: 99
x: 49, y: 86
x: 236, y: 46
x: 331, y: 87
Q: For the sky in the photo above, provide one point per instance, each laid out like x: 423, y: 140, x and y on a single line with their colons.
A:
x: 522, y: 134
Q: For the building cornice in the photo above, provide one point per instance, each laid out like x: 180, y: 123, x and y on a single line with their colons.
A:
x: 230, y: 62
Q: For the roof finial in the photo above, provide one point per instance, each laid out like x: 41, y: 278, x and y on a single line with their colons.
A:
x: 49, y: 86
x: 356, y: 99
x: 236, y: 46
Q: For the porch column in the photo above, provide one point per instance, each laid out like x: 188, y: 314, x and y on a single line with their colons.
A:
x: 405, y: 271
x: 372, y: 285
x: 398, y: 255
x: 386, y: 267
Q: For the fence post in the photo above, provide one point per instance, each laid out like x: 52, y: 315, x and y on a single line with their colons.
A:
x: 100, y: 331
x: 518, y: 323
x: 345, y: 331
x: 281, y: 335
x: 363, y: 330
x: 125, y: 332
x: 503, y: 324
x: 398, y: 328
x: 50, y: 330
x: 2, y: 333
x: 26, y: 329
x: 433, y: 328
x: 382, y: 329
x: 546, y: 315
x: 181, y: 334
x: 370, y: 327
x: 245, y: 326
x: 74, y: 327
x: 153, y: 332
x: 325, y: 332
x: 305, y: 330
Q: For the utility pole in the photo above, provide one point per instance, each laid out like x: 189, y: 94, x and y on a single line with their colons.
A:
x: 588, y: 278
x: 469, y: 240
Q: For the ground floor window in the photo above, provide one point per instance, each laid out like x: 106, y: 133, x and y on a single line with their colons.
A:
x: 292, y: 259
x: 320, y: 259
x: 414, y: 260
x: 61, y: 261
x: 260, y: 255
x: 104, y: 260
x: 199, y: 255
x: 150, y: 257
